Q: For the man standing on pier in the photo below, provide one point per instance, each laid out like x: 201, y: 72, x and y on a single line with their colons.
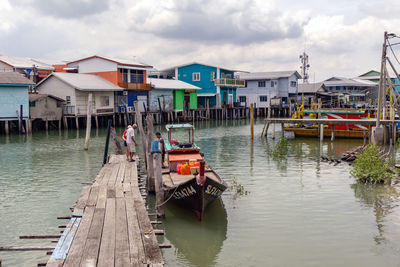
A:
x: 131, y: 142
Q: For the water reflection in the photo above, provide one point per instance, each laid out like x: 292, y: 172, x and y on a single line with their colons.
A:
x: 198, y: 242
x: 382, y: 198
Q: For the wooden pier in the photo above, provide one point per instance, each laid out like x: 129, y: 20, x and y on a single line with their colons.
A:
x: 109, y: 225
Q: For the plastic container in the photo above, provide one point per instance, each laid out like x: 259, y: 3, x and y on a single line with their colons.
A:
x: 185, y: 169
x: 178, y: 168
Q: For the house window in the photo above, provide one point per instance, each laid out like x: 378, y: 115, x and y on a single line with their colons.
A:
x: 104, y: 101
x: 242, y: 99
x: 293, y: 83
x: 213, y: 76
x: 263, y: 98
x: 68, y: 99
x: 136, y: 76
x: 272, y: 83
x: 32, y: 104
x: 196, y: 76
x: 124, y: 74
x: 261, y: 84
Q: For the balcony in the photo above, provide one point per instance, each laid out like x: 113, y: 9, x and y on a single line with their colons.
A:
x: 230, y: 82
x: 135, y: 86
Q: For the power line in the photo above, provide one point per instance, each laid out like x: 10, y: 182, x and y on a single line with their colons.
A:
x: 391, y: 49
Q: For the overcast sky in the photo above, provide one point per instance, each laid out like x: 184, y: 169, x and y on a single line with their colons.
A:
x: 342, y: 38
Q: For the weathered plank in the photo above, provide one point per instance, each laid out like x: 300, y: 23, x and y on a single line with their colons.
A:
x: 119, y: 191
x: 121, y: 234
x: 113, y: 176
x: 54, y: 263
x: 75, y: 253
x: 81, y: 203
x: 121, y: 173
x: 64, y: 243
x: 136, y: 248
x: 92, y: 245
x: 107, y: 246
x: 15, y: 248
x: 152, y: 251
x: 101, y: 199
x: 38, y: 236
x: 94, y: 193
x: 57, y: 253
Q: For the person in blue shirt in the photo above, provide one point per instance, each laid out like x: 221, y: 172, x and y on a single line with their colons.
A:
x: 162, y: 147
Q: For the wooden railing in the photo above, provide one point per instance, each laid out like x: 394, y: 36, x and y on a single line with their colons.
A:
x: 135, y: 86
x: 230, y: 82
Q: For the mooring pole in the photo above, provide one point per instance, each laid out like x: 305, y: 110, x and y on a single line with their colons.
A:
x: 161, y: 112
x: 251, y: 122
x: 107, y: 142
x: 158, y: 185
x: 88, y: 121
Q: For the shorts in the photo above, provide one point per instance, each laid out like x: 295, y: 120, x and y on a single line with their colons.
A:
x: 125, y: 143
x: 131, y: 148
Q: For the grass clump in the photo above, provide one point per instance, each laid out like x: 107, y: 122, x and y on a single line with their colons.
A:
x: 281, y: 149
x: 369, y: 167
x: 237, y: 188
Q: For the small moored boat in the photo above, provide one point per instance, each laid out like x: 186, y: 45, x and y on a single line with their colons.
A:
x: 189, y: 181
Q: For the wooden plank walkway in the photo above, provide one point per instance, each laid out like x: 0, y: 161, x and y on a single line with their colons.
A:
x: 110, y: 225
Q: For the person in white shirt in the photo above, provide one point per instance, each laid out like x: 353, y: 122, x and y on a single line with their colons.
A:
x: 131, y: 142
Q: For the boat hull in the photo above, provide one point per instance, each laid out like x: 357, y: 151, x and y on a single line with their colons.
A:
x: 304, y: 132
x: 196, y: 197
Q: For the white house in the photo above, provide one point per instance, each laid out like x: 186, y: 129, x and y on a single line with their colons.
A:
x: 74, y: 88
x: 261, y: 87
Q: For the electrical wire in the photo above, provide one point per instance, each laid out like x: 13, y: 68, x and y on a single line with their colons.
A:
x: 391, y: 49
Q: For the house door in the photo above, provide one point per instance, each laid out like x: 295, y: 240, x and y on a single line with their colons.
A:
x: 186, y: 104
x: 224, y: 99
x: 141, y: 99
x: 230, y: 100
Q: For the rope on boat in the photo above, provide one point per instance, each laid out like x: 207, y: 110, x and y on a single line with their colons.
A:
x: 176, y: 188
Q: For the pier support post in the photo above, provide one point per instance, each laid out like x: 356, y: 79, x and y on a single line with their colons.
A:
x: 47, y: 125
x: 65, y: 123
x: 283, y: 131
x: 29, y: 126
x: 273, y: 130
x: 6, y: 127
x: 158, y: 185
x: 150, y: 165
x: 141, y: 131
x: 77, y: 122
x: 333, y: 132
x: 251, y: 122
x: 88, y: 121
x: 96, y: 119
x: 59, y: 124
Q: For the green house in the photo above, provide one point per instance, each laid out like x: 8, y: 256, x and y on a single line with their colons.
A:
x: 172, y: 94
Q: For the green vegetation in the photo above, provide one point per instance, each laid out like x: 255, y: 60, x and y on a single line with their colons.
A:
x: 237, y: 188
x: 281, y: 149
x: 369, y: 167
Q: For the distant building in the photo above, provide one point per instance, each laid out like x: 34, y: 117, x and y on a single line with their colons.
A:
x: 260, y: 87
x: 14, y: 89
x: 45, y: 107
x: 74, y: 88
x: 375, y: 76
x: 125, y: 73
x: 308, y: 93
x: 33, y: 69
x: 171, y: 94
x: 218, y: 85
x: 354, y: 91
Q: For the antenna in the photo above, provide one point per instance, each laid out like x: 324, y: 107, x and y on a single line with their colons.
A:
x: 304, y: 66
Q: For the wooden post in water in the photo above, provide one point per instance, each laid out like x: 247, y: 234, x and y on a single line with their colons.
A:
x: 251, y: 122
x: 107, y: 142
x: 321, y: 126
x: 65, y: 123
x: 96, y: 119
x: 88, y: 121
x: 158, y: 185
x: 6, y: 127
x: 333, y: 132
x: 116, y: 141
x: 141, y: 131
x: 77, y: 122
x: 29, y: 126
x: 150, y: 165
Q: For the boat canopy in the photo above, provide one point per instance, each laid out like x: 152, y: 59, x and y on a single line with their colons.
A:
x: 179, y: 126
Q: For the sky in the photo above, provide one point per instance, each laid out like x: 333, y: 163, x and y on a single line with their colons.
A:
x: 342, y: 38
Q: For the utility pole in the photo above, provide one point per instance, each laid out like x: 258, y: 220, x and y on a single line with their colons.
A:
x: 304, y: 66
x: 381, y: 89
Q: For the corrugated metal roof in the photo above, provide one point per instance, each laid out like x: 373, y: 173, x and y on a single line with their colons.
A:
x: 84, y: 82
x: 192, y: 63
x: 119, y: 61
x: 25, y: 62
x: 14, y: 78
x: 267, y: 75
x: 340, y: 81
x: 311, y: 88
x: 171, y: 84
x: 35, y: 97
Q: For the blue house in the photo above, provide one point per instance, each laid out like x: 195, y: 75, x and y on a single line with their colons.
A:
x: 218, y: 85
x: 14, y: 92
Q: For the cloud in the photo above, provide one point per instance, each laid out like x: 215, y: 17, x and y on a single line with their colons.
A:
x: 218, y: 21
x: 69, y: 9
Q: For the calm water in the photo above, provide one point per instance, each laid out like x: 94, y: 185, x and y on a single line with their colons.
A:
x: 299, y: 212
